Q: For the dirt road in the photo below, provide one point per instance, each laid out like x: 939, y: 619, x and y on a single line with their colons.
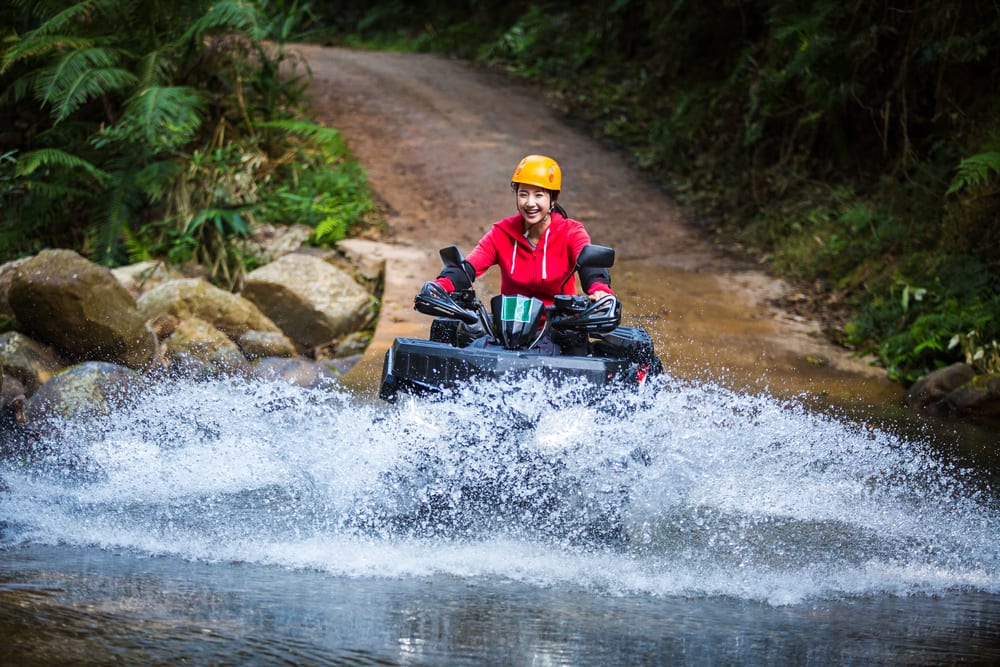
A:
x: 439, y: 140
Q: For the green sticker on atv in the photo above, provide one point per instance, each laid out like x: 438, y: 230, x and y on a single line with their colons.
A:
x: 516, y: 309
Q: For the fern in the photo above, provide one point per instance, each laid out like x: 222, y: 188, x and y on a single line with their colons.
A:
x: 31, y: 161
x: 318, y: 135
x: 155, y: 68
x: 973, y: 171
x: 226, y: 15
x: 33, y: 45
x: 17, y: 91
x: 80, y: 76
x: 68, y: 19
x: 155, y: 178
x: 119, y: 204
x: 167, y: 116
x: 57, y: 192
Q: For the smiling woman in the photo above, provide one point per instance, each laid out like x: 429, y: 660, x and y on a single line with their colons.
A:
x: 536, y: 249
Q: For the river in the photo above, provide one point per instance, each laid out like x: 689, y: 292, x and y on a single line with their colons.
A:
x: 231, y: 523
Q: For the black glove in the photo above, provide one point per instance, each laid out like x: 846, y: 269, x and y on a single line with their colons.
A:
x: 461, y: 276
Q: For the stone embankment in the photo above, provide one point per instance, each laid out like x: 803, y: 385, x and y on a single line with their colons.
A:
x: 78, y: 339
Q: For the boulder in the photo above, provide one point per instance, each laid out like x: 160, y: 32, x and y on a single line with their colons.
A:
x: 12, y: 399
x: 29, y: 362
x: 976, y: 402
x: 6, y: 276
x: 196, y: 298
x: 260, y: 344
x: 311, y: 300
x: 144, y: 276
x: 353, y: 344
x: 343, y: 364
x: 368, y: 256
x: 956, y: 390
x: 196, y: 344
x: 934, y: 386
x: 78, y: 307
x: 88, y: 389
x: 297, y: 371
x: 269, y: 242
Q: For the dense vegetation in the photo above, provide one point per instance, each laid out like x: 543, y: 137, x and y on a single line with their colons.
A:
x: 132, y: 129
x: 856, y: 145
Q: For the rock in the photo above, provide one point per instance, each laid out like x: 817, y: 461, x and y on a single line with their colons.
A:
x: 216, y: 355
x: 269, y: 242
x: 296, y: 371
x: 92, y: 388
x: 979, y: 403
x: 12, y: 397
x: 260, y: 344
x: 311, y: 300
x: 6, y: 276
x: 196, y: 298
x: 78, y: 307
x: 352, y: 344
x: 144, y: 276
x: 7, y: 322
x: 934, y: 386
x: 29, y: 362
x: 344, y: 364
x: 163, y: 325
x: 368, y: 256
x: 957, y: 391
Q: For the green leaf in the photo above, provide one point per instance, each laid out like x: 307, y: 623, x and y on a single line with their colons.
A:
x: 79, y: 76
x: 31, y: 161
x: 156, y: 178
x: 226, y: 15
x: 166, y: 116
x: 973, y: 171
x: 33, y: 45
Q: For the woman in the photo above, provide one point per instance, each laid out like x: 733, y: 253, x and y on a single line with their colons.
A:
x: 536, y: 249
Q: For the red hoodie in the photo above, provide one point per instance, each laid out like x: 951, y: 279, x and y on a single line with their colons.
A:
x: 539, y: 272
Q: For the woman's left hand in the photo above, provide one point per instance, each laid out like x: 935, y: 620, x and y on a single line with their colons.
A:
x: 598, y: 294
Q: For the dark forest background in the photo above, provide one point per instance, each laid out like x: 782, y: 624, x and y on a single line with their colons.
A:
x: 851, y: 147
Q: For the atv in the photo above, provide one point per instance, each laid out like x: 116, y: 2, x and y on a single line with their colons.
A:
x: 574, y: 339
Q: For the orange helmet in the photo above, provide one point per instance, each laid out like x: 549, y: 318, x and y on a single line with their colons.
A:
x: 539, y: 171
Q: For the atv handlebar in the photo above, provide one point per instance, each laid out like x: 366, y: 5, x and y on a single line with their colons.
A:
x: 433, y: 300
x: 579, y: 313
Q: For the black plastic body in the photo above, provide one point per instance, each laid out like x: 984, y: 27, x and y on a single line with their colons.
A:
x: 416, y: 366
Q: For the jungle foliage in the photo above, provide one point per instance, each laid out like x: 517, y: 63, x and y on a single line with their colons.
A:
x: 856, y: 145
x: 132, y: 129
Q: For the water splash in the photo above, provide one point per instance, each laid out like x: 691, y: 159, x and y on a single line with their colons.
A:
x: 677, y: 490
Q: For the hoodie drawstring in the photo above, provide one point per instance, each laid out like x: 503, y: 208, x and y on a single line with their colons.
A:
x: 545, y: 254
x: 545, y: 251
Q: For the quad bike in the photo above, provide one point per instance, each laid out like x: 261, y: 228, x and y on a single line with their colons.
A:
x: 575, y: 338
